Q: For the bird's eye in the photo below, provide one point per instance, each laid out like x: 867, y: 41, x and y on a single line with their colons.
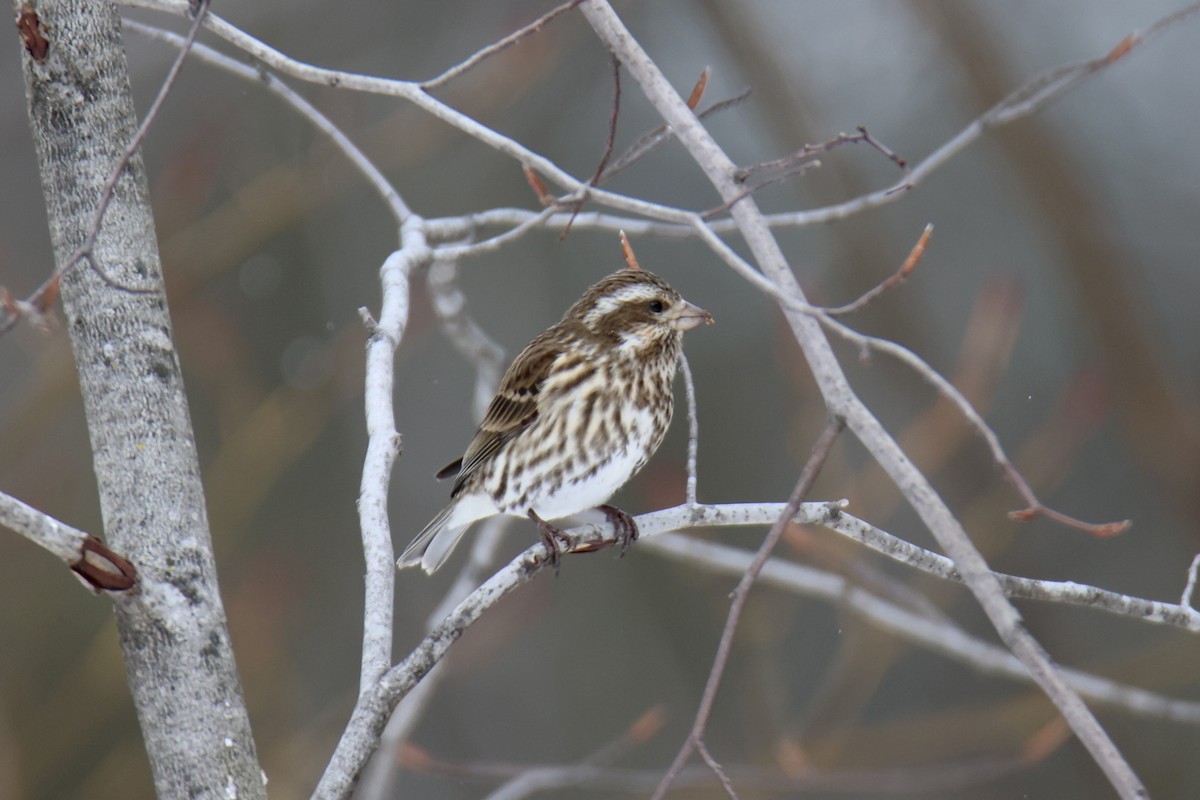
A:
x: 656, y: 307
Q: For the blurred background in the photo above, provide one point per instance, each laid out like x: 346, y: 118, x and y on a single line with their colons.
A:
x: 1059, y: 291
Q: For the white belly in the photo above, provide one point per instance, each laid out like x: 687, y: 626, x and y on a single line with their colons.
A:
x: 578, y: 493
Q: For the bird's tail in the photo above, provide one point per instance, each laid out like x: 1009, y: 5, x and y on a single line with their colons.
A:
x: 434, y: 544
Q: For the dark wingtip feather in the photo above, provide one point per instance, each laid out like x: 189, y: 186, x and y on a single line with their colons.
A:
x: 450, y: 470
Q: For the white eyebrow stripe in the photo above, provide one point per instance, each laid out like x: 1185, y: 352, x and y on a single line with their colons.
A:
x: 611, y: 302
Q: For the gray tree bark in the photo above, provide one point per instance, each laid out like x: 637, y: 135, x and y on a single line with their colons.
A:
x: 173, y: 632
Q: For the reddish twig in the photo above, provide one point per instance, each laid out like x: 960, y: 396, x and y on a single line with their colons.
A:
x: 910, y: 263
x: 627, y: 250
x: 808, y: 476
x: 539, y: 187
x: 1080, y: 404
x: 698, y: 90
x: 1037, y: 509
x: 38, y: 309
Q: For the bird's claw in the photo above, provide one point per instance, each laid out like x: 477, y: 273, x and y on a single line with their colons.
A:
x: 551, y: 536
x: 624, y: 525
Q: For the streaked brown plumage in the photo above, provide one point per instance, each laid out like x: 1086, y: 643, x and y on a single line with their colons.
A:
x: 578, y: 413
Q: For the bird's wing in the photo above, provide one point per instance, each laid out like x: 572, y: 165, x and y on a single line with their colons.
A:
x: 513, y: 409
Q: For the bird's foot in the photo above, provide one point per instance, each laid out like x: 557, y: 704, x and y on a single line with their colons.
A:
x: 624, y: 525
x: 551, y: 536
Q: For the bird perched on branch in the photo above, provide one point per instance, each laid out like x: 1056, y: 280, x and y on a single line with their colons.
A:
x: 578, y: 413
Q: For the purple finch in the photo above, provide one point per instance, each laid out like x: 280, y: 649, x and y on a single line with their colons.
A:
x: 578, y: 413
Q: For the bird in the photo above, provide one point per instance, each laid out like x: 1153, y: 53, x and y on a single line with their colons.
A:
x: 578, y: 413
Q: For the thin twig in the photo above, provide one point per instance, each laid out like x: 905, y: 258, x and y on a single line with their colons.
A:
x: 948, y: 390
x: 798, y: 163
x: 716, y: 769
x: 910, y: 263
x: 1032, y: 96
x: 1186, y: 600
x: 609, y: 143
x: 531, y: 780
x: 693, y: 429
x: 936, y: 634
x: 800, y: 168
x: 808, y: 476
x: 806, y: 152
x: 941, y: 779
x: 1059, y: 592
x: 1036, y: 509
x: 372, y: 174
x: 498, y: 46
x: 383, y: 448
x: 843, y: 402
x: 456, y: 251
x: 647, y: 142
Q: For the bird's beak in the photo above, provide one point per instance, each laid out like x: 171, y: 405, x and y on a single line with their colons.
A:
x: 687, y: 316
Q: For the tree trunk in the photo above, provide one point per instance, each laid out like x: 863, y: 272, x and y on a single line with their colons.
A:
x: 173, y: 633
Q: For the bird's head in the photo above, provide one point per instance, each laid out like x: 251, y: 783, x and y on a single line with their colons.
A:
x: 636, y: 310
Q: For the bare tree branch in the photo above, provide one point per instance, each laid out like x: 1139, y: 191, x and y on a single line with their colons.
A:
x: 383, y: 447
x: 842, y: 402
x: 370, y: 716
x: 374, y: 177
x: 695, y: 739
x: 946, y: 389
x: 656, y: 533
x: 938, y: 635
x: 444, y: 239
x: 487, y: 358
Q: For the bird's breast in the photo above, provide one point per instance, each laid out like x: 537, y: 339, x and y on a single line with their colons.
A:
x: 597, y: 425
